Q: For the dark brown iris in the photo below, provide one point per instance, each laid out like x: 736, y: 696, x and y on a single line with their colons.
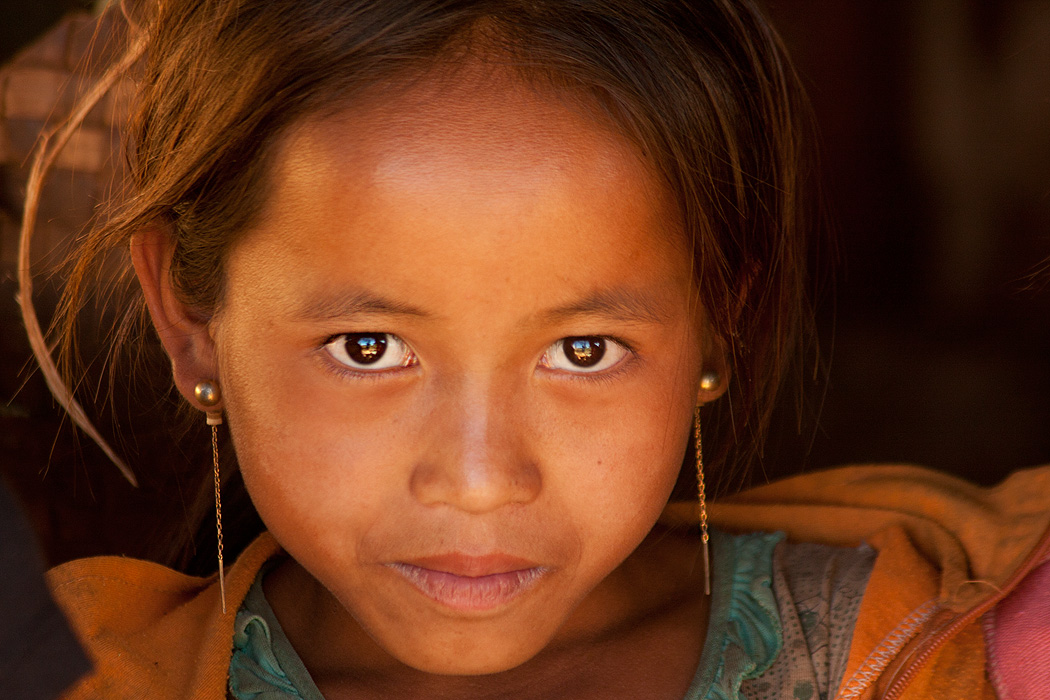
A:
x: 585, y: 351
x: 365, y: 348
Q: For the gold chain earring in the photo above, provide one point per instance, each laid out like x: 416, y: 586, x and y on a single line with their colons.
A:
x: 207, y: 393
x: 709, y: 381
x: 702, y: 497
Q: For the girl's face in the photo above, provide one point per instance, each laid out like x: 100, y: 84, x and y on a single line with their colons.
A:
x: 459, y: 358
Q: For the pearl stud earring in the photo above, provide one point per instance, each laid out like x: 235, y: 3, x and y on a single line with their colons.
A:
x: 710, y: 380
x: 207, y: 392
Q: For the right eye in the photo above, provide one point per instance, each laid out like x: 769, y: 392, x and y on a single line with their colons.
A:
x: 370, y: 352
x: 585, y: 354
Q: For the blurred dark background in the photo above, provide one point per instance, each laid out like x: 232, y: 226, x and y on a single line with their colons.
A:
x: 935, y: 122
x: 934, y: 118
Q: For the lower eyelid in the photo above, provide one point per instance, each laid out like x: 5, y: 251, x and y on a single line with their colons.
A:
x: 344, y: 371
x: 607, y: 375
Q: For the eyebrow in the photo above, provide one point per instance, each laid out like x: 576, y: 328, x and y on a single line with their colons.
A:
x: 619, y: 304
x: 353, y: 302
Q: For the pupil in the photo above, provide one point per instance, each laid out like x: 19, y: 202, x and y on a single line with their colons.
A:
x: 584, y: 352
x: 365, y: 348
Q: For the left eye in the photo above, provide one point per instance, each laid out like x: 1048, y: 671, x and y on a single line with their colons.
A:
x: 369, y: 352
x: 583, y: 354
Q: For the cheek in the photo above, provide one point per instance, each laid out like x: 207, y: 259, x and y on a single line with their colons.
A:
x: 618, y: 468
x: 310, y: 459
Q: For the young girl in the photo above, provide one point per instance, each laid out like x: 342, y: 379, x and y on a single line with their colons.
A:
x: 468, y: 281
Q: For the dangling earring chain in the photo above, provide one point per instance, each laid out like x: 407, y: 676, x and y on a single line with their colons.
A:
x: 208, y: 394
x: 218, y: 507
x: 704, y: 537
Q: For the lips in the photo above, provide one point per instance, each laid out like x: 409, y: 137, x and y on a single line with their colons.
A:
x: 470, y: 584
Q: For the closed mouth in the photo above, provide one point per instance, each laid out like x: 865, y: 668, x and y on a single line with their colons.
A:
x: 470, y: 593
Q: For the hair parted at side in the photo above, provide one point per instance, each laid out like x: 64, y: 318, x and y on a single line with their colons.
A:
x: 703, y: 87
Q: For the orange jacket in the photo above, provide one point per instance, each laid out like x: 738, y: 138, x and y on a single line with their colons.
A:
x: 947, y: 552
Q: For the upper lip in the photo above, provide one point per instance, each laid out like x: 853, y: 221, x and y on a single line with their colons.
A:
x: 473, y: 566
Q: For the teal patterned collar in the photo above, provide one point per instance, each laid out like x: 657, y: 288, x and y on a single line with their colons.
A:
x: 743, y: 635
x: 264, y: 666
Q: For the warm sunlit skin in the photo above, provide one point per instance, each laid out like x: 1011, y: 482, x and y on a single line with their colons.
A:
x: 480, y: 222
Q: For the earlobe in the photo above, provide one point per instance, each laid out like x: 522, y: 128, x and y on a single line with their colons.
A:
x: 185, y: 337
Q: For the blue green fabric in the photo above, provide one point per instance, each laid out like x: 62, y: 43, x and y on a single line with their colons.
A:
x: 743, y: 636
x: 255, y: 671
x: 743, y: 629
x: 264, y: 666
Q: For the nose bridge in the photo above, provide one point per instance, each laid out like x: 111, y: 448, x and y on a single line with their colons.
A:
x: 478, y: 459
x: 479, y: 428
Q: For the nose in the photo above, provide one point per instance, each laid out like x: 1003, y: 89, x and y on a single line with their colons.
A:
x: 475, y: 457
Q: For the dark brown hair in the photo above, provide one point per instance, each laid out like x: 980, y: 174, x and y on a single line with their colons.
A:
x: 704, y: 87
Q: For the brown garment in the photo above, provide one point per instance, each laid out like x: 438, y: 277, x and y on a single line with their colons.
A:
x: 947, y: 551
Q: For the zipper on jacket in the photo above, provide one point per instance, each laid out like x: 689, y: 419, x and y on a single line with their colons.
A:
x: 887, y: 651
x: 927, y: 648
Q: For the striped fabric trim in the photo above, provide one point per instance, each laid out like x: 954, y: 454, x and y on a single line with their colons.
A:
x: 885, y: 652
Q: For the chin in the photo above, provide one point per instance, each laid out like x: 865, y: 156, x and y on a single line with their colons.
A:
x: 469, y: 655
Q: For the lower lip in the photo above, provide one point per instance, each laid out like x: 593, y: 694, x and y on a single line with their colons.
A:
x: 470, y: 593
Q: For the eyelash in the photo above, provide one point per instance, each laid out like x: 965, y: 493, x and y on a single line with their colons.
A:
x: 604, y: 376
x: 343, y: 371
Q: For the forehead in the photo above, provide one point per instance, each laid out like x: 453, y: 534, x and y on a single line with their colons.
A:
x: 450, y: 126
x: 475, y: 170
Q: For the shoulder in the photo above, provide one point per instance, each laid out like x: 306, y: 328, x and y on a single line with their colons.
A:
x: 151, y: 631
x: 97, y: 590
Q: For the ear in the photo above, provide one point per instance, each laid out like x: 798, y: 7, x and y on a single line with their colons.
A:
x: 185, y: 336
x: 716, y: 364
